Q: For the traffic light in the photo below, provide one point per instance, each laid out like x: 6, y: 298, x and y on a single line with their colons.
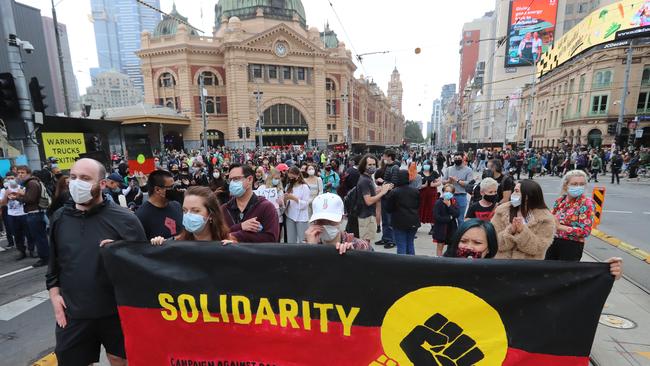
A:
x: 36, y: 92
x: 248, y: 132
x: 8, y: 95
x: 611, y: 128
x: 240, y: 133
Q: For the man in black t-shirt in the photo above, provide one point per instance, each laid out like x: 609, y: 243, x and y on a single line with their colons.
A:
x: 506, y: 182
x: 370, y: 205
x: 161, y: 215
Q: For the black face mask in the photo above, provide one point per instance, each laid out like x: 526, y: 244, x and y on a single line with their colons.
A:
x: 458, y: 162
x: 490, y: 197
x: 174, y: 195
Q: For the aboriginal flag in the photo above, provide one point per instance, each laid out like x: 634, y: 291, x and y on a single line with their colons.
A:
x: 200, y: 304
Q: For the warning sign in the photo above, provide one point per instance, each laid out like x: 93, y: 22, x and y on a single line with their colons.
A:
x: 64, y: 146
x: 599, y: 201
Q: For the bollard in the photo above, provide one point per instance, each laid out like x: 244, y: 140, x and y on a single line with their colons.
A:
x: 599, y: 200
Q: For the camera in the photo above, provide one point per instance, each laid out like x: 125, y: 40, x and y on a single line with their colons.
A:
x: 28, y: 47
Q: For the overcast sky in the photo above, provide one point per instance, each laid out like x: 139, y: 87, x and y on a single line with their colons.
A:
x: 371, y: 25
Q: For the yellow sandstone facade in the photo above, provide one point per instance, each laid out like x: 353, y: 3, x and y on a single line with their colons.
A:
x: 300, y: 81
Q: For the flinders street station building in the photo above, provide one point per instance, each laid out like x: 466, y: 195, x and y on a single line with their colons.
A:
x: 262, y: 60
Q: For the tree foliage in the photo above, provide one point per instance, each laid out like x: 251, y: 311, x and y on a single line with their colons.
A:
x: 413, y: 132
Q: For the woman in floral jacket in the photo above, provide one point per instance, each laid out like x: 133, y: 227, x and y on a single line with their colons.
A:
x: 574, y: 217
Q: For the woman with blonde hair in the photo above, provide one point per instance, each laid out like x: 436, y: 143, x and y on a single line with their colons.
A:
x: 574, y: 217
x: 274, y: 192
x: 315, y: 183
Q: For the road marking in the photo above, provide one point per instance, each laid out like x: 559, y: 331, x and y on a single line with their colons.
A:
x: 629, y: 249
x: 646, y: 213
x: 49, y: 360
x: 620, y: 212
x: 16, y: 271
x: 17, y: 307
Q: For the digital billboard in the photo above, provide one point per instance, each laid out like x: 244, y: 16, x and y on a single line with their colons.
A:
x: 531, y: 29
x: 624, y: 19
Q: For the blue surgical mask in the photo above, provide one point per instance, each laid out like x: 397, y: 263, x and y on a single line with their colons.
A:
x: 236, y: 189
x: 576, y: 191
x: 193, y: 222
x: 447, y: 196
x: 515, y: 200
x: 275, y: 182
x: 426, y: 167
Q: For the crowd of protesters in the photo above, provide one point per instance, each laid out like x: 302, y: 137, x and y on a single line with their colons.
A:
x: 474, y: 203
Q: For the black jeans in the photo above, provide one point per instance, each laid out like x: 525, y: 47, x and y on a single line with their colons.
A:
x: 615, y: 173
x: 565, y: 250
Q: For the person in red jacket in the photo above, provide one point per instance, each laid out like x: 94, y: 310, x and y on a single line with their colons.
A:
x: 250, y: 218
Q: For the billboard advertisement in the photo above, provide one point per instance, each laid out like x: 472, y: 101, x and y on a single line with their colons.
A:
x: 531, y: 29
x: 624, y: 19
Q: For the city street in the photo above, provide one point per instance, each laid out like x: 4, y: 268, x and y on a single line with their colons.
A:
x: 27, y: 321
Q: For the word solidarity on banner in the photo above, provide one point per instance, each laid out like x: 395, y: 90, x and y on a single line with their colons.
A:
x: 189, y: 303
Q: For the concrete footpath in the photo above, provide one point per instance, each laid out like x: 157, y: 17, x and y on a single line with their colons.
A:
x: 623, y: 335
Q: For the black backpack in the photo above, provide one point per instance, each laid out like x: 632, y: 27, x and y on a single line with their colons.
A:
x: 351, y: 202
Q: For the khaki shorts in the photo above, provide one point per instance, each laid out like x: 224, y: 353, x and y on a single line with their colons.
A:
x: 368, y: 229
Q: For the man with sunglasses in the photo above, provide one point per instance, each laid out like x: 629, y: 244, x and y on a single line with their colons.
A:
x: 162, y: 214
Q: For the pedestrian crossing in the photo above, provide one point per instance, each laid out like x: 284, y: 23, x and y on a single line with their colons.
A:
x: 15, y: 308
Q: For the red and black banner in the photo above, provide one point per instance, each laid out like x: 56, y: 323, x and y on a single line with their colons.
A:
x: 198, y: 304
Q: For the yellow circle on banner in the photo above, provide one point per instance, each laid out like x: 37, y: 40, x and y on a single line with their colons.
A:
x: 443, y: 325
x: 141, y: 159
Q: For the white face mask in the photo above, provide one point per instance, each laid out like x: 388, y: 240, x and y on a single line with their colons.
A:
x: 216, y: 175
x: 81, y: 191
x: 329, y: 232
x: 311, y: 172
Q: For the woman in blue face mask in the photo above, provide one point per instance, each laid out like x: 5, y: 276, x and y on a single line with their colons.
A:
x: 202, y: 218
x: 574, y: 218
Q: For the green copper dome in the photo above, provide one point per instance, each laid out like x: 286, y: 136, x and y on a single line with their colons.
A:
x: 247, y: 9
x: 329, y: 38
x: 169, y: 24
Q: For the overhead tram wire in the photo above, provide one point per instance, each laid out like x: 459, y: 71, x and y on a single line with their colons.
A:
x: 348, y: 36
x: 141, y: 2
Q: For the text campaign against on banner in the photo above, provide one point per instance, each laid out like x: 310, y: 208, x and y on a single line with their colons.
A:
x: 190, y: 303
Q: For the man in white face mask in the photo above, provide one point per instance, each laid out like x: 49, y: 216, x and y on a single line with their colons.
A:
x: 81, y: 294
x: 324, y: 225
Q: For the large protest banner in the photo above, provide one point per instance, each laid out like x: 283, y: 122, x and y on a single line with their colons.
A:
x: 193, y: 304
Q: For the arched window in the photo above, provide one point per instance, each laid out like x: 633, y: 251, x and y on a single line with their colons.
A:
x: 283, y: 115
x: 209, y: 106
x: 329, y: 84
x: 209, y: 78
x: 167, y: 80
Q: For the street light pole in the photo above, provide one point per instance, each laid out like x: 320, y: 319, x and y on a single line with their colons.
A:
x: 258, y: 98
x: 621, y: 113
x: 531, y: 107
x: 505, y: 127
x: 60, y: 54
x: 203, y: 93
x: 346, y: 132
x: 30, y: 146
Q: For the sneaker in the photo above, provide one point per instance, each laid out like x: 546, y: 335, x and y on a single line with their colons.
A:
x: 10, y: 245
x: 32, y: 254
x: 21, y: 256
x: 40, y: 263
x: 380, y: 242
x: 389, y: 245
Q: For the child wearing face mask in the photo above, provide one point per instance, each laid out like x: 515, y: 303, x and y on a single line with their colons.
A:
x: 445, y: 213
x: 324, y: 225
x: 483, y: 209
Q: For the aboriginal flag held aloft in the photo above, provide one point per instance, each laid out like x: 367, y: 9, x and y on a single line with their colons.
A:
x: 200, y: 304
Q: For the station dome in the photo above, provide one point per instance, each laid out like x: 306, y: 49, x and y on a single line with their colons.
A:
x: 247, y: 9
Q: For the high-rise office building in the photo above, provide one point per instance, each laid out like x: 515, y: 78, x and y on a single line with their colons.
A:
x: 118, y: 26
x: 111, y: 89
x: 55, y: 69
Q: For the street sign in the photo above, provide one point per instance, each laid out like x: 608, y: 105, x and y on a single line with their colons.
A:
x: 639, y: 133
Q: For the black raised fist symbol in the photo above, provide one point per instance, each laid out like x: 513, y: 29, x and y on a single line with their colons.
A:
x: 440, y: 342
